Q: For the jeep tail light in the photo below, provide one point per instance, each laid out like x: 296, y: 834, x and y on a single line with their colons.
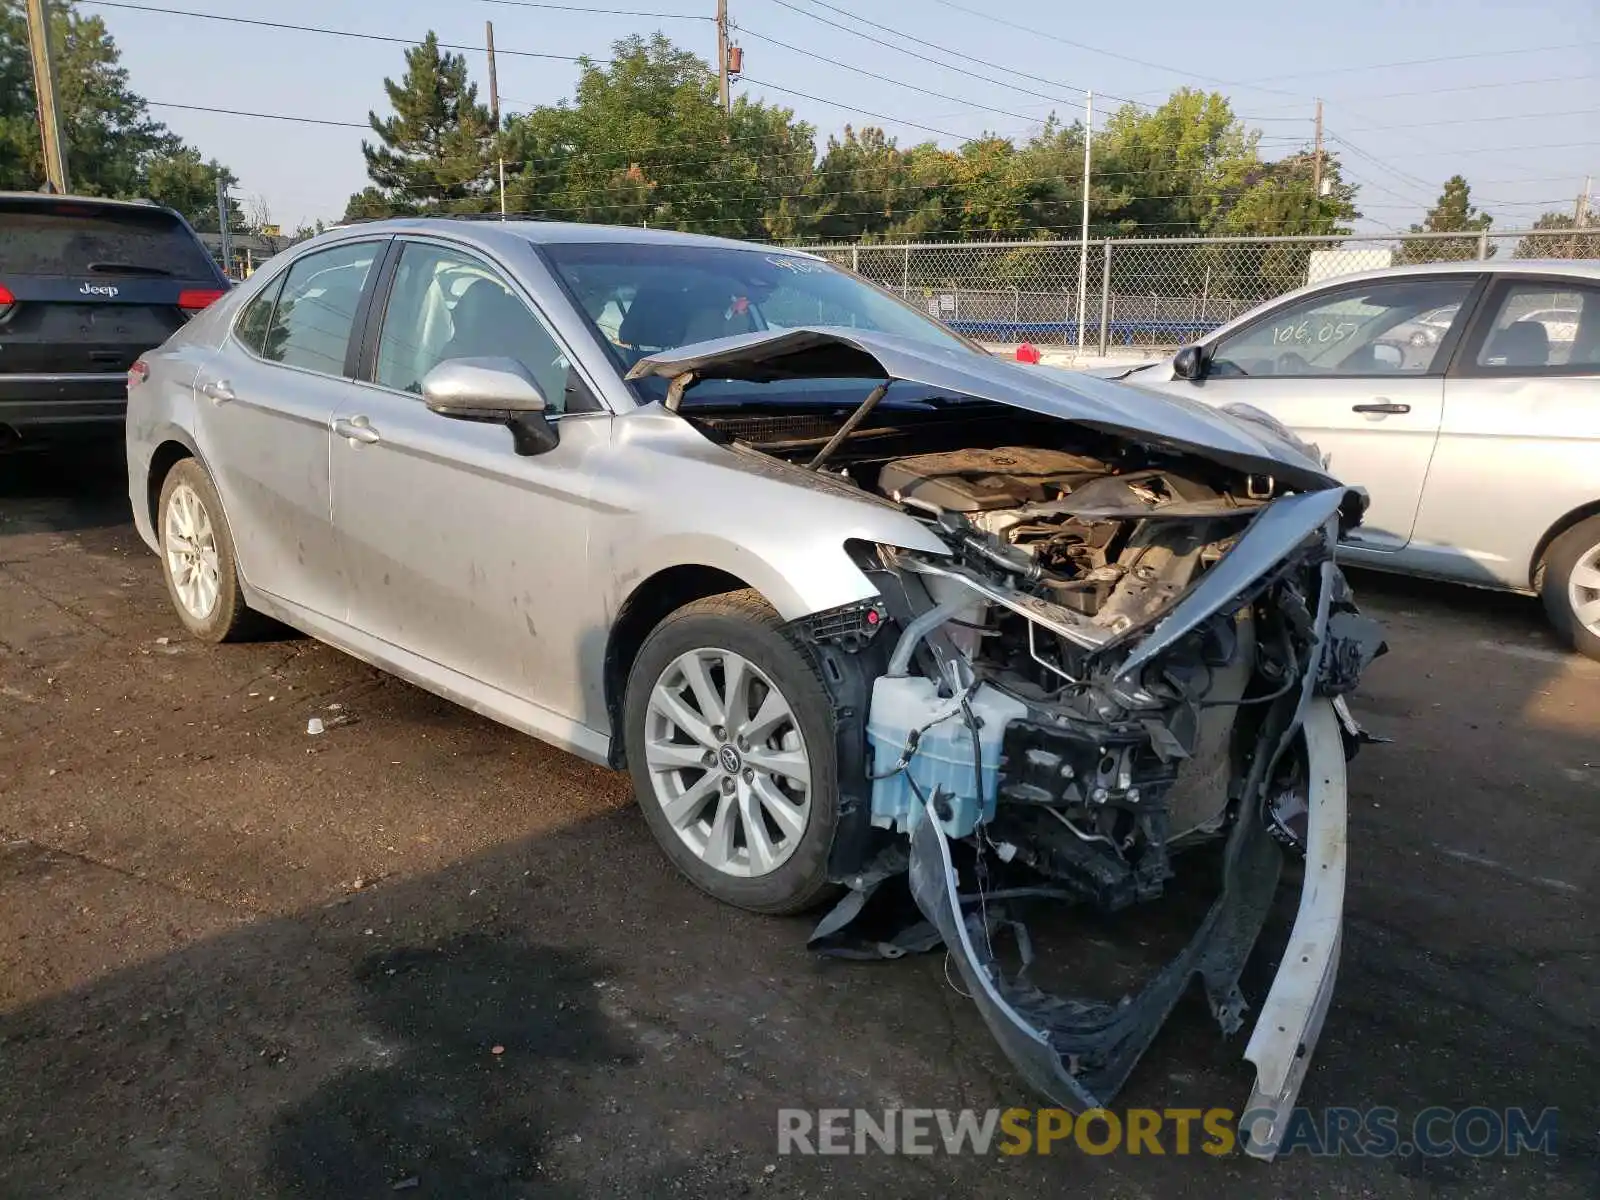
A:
x: 138, y: 373
x: 194, y: 299
x: 6, y: 299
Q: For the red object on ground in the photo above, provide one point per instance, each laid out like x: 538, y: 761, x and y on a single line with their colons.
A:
x: 1028, y: 353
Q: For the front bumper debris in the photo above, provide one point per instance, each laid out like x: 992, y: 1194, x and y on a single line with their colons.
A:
x: 1079, y: 1053
x: 1291, y: 1019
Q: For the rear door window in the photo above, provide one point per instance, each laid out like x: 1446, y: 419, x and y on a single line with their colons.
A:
x: 256, y: 317
x: 316, y: 310
x: 95, y: 240
x: 1540, y: 327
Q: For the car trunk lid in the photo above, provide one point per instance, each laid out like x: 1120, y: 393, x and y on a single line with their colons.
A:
x: 86, y: 287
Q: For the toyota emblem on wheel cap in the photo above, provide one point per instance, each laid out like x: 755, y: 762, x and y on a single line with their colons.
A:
x: 730, y: 759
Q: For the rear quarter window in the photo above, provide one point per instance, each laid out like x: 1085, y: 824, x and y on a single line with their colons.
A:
x: 100, y: 241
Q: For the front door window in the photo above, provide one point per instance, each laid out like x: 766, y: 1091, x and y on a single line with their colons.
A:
x: 1385, y: 328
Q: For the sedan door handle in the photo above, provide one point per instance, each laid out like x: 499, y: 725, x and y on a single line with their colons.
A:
x: 1381, y: 406
x: 217, y: 390
x: 357, y: 429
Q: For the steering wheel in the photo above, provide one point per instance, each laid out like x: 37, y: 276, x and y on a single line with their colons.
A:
x: 1290, y: 363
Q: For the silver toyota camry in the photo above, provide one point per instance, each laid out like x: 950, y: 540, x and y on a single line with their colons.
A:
x: 859, y: 607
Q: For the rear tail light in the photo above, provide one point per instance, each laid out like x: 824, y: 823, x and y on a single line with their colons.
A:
x: 194, y: 299
x: 137, y: 374
x: 6, y: 300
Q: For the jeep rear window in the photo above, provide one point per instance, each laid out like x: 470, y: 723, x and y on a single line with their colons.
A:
x: 90, y: 241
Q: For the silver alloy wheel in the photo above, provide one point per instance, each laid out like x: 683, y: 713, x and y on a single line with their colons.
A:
x: 1583, y: 589
x: 190, y: 543
x: 728, y: 762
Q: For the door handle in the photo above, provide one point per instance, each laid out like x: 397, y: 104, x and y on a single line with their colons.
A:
x: 1381, y: 406
x: 357, y: 429
x: 217, y: 390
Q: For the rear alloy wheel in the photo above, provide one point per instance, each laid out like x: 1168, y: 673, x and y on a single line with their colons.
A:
x: 197, y: 558
x: 1570, y: 586
x: 730, y: 742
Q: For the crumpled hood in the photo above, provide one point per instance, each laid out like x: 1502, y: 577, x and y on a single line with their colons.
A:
x: 816, y: 352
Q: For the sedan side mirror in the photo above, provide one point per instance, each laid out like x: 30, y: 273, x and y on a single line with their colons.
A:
x: 496, y: 390
x: 1189, y: 363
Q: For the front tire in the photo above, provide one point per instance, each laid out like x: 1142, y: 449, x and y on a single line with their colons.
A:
x: 198, y: 560
x: 1570, y: 586
x: 730, y: 741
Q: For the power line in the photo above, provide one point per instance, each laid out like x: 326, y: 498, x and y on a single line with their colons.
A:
x: 864, y: 112
x: 344, y: 33
x: 1005, y: 112
x: 934, y: 46
x: 992, y: 19
x: 1464, y: 87
x: 1492, y: 149
x: 631, y: 154
x: 1418, y: 62
x: 239, y: 112
x: 1566, y: 112
x: 1395, y: 171
x: 601, y: 12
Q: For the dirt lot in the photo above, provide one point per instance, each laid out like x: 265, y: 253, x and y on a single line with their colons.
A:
x: 238, y: 961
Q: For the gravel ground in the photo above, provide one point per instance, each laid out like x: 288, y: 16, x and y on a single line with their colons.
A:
x: 239, y: 961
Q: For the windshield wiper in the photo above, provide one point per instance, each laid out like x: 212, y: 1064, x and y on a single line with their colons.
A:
x: 120, y: 268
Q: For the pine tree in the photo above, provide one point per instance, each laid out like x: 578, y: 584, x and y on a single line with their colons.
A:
x: 1453, y: 212
x: 435, y: 151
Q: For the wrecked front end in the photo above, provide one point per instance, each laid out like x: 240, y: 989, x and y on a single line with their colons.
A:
x: 1133, y: 646
x: 1086, y: 686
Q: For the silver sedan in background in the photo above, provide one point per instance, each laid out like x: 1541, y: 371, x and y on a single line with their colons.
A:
x: 1465, y: 397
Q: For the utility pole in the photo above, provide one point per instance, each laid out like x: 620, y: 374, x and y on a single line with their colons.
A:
x: 222, y: 225
x: 44, y: 90
x: 494, y: 112
x: 1316, y: 161
x: 722, y: 56
x: 1580, y: 210
x: 1083, y: 244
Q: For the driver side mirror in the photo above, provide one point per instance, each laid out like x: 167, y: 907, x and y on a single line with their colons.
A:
x: 498, y: 391
x: 1189, y: 363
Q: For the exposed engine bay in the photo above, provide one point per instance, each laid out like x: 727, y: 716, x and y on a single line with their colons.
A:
x: 1130, y: 648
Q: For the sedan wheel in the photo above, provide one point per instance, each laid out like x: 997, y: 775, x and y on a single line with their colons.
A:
x: 198, y: 560
x: 1569, y: 584
x: 1583, y: 590
x: 729, y: 737
x: 728, y: 762
x: 190, y: 541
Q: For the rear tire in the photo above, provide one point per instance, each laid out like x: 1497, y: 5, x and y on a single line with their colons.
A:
x: 730, y: 741
x: 198, y: 560
x: 1570, y: 586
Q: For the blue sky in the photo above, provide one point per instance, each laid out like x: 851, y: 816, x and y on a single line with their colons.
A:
x: 1523, y: 127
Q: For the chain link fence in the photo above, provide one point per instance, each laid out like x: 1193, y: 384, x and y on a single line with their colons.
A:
x: 1150, y: 293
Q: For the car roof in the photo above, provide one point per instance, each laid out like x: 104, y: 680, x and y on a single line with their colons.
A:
x: 47, y: 199
x: 555, y: 232
x: 1580, y: 268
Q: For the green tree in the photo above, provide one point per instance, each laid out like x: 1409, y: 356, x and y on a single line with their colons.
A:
x: 188, y: 183
x: 1579, y: 244
x: 644, y: 141
x: 435, y: 153
x: 862, y: 188
x: 1168, y: 172
x: 1454, y: 212
x: 113, y: 146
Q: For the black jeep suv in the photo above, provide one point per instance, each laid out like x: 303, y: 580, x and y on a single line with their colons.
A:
x: 86, y: 286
